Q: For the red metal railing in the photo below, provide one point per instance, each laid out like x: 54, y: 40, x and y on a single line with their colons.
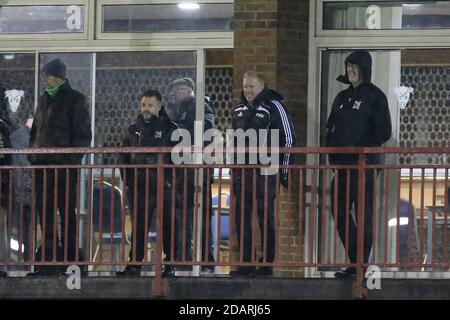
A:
x: 408, y: 224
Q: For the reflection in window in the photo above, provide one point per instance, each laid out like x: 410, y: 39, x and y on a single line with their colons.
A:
x: 121, y: 78
x: 41, y: 19
x: 17, y: 79
x: 168, y: 18
x: 363, y: 15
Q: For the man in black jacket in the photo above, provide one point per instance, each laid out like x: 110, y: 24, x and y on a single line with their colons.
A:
x: 182, y: 111
x: 260, y: 109
x: 152, y: 129
x: 61, y: 120
x: 359, y: 118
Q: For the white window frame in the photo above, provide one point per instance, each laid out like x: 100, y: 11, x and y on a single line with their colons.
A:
x: 49, y: 36
x: 211, y: 36
x: 320, y: 32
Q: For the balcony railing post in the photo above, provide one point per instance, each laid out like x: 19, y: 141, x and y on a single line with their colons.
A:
x: 359, y: 289
x: 158, y: 285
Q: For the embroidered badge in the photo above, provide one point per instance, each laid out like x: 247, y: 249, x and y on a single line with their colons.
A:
x: 356, y: 105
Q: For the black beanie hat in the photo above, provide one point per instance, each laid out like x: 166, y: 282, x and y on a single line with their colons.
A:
x: 55, y: 68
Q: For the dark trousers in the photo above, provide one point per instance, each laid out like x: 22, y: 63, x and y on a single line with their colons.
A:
x: 142, y: 219
x: 353, y: 200
x: 207, y: 216
x: 263, y: 203
x: 184, y: 219
x: 66, y: 207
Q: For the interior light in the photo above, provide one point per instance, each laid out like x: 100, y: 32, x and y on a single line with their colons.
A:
x: 15, y: 245
x: 393, y: 222
x: 189, y: 6
x: 8, y: 56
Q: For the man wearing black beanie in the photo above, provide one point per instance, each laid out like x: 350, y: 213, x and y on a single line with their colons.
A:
x: 61, y: 120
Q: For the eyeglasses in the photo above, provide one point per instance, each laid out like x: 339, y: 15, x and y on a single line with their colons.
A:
x: 44, y: 75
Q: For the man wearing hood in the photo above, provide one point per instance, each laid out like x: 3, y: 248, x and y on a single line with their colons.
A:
x: 359, y: 118
x: 152, y: 129
x: 260, y: 109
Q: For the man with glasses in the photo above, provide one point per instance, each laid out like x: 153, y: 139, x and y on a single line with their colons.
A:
x: 182, y: 111
x: 61, y: 120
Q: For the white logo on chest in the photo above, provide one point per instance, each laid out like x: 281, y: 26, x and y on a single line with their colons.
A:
x: 356, y: 105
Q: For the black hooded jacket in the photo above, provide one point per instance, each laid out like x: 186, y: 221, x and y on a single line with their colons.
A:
x: 360, y: 116
x: 267, y: 112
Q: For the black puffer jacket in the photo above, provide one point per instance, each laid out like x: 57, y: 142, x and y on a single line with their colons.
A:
x: 359, y: 116
x: 60, y: 121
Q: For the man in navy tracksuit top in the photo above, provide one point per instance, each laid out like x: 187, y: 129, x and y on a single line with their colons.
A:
x: 260, y: 109
x: 359, y: 118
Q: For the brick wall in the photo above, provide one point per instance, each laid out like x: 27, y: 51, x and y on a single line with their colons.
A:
x: 271, y: 37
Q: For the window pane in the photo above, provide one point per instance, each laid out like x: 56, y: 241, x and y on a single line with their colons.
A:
x: 366, y: 15
x: 121, y: 78
x: 17, y: 74
x: 168, y: 18
x: 41, y: 19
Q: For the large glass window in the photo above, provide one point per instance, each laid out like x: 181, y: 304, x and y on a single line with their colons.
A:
x: 41, y: 19
x: 364, y: 15
x: 168, y: 17
x: 17, y: 74
x: 121, y: 78
x: 415, y: 83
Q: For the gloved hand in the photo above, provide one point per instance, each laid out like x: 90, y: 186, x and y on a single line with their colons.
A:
x: 241, y: 116
x: 284, y: 178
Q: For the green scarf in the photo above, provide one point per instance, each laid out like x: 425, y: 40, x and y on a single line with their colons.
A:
x: 53, y: 91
